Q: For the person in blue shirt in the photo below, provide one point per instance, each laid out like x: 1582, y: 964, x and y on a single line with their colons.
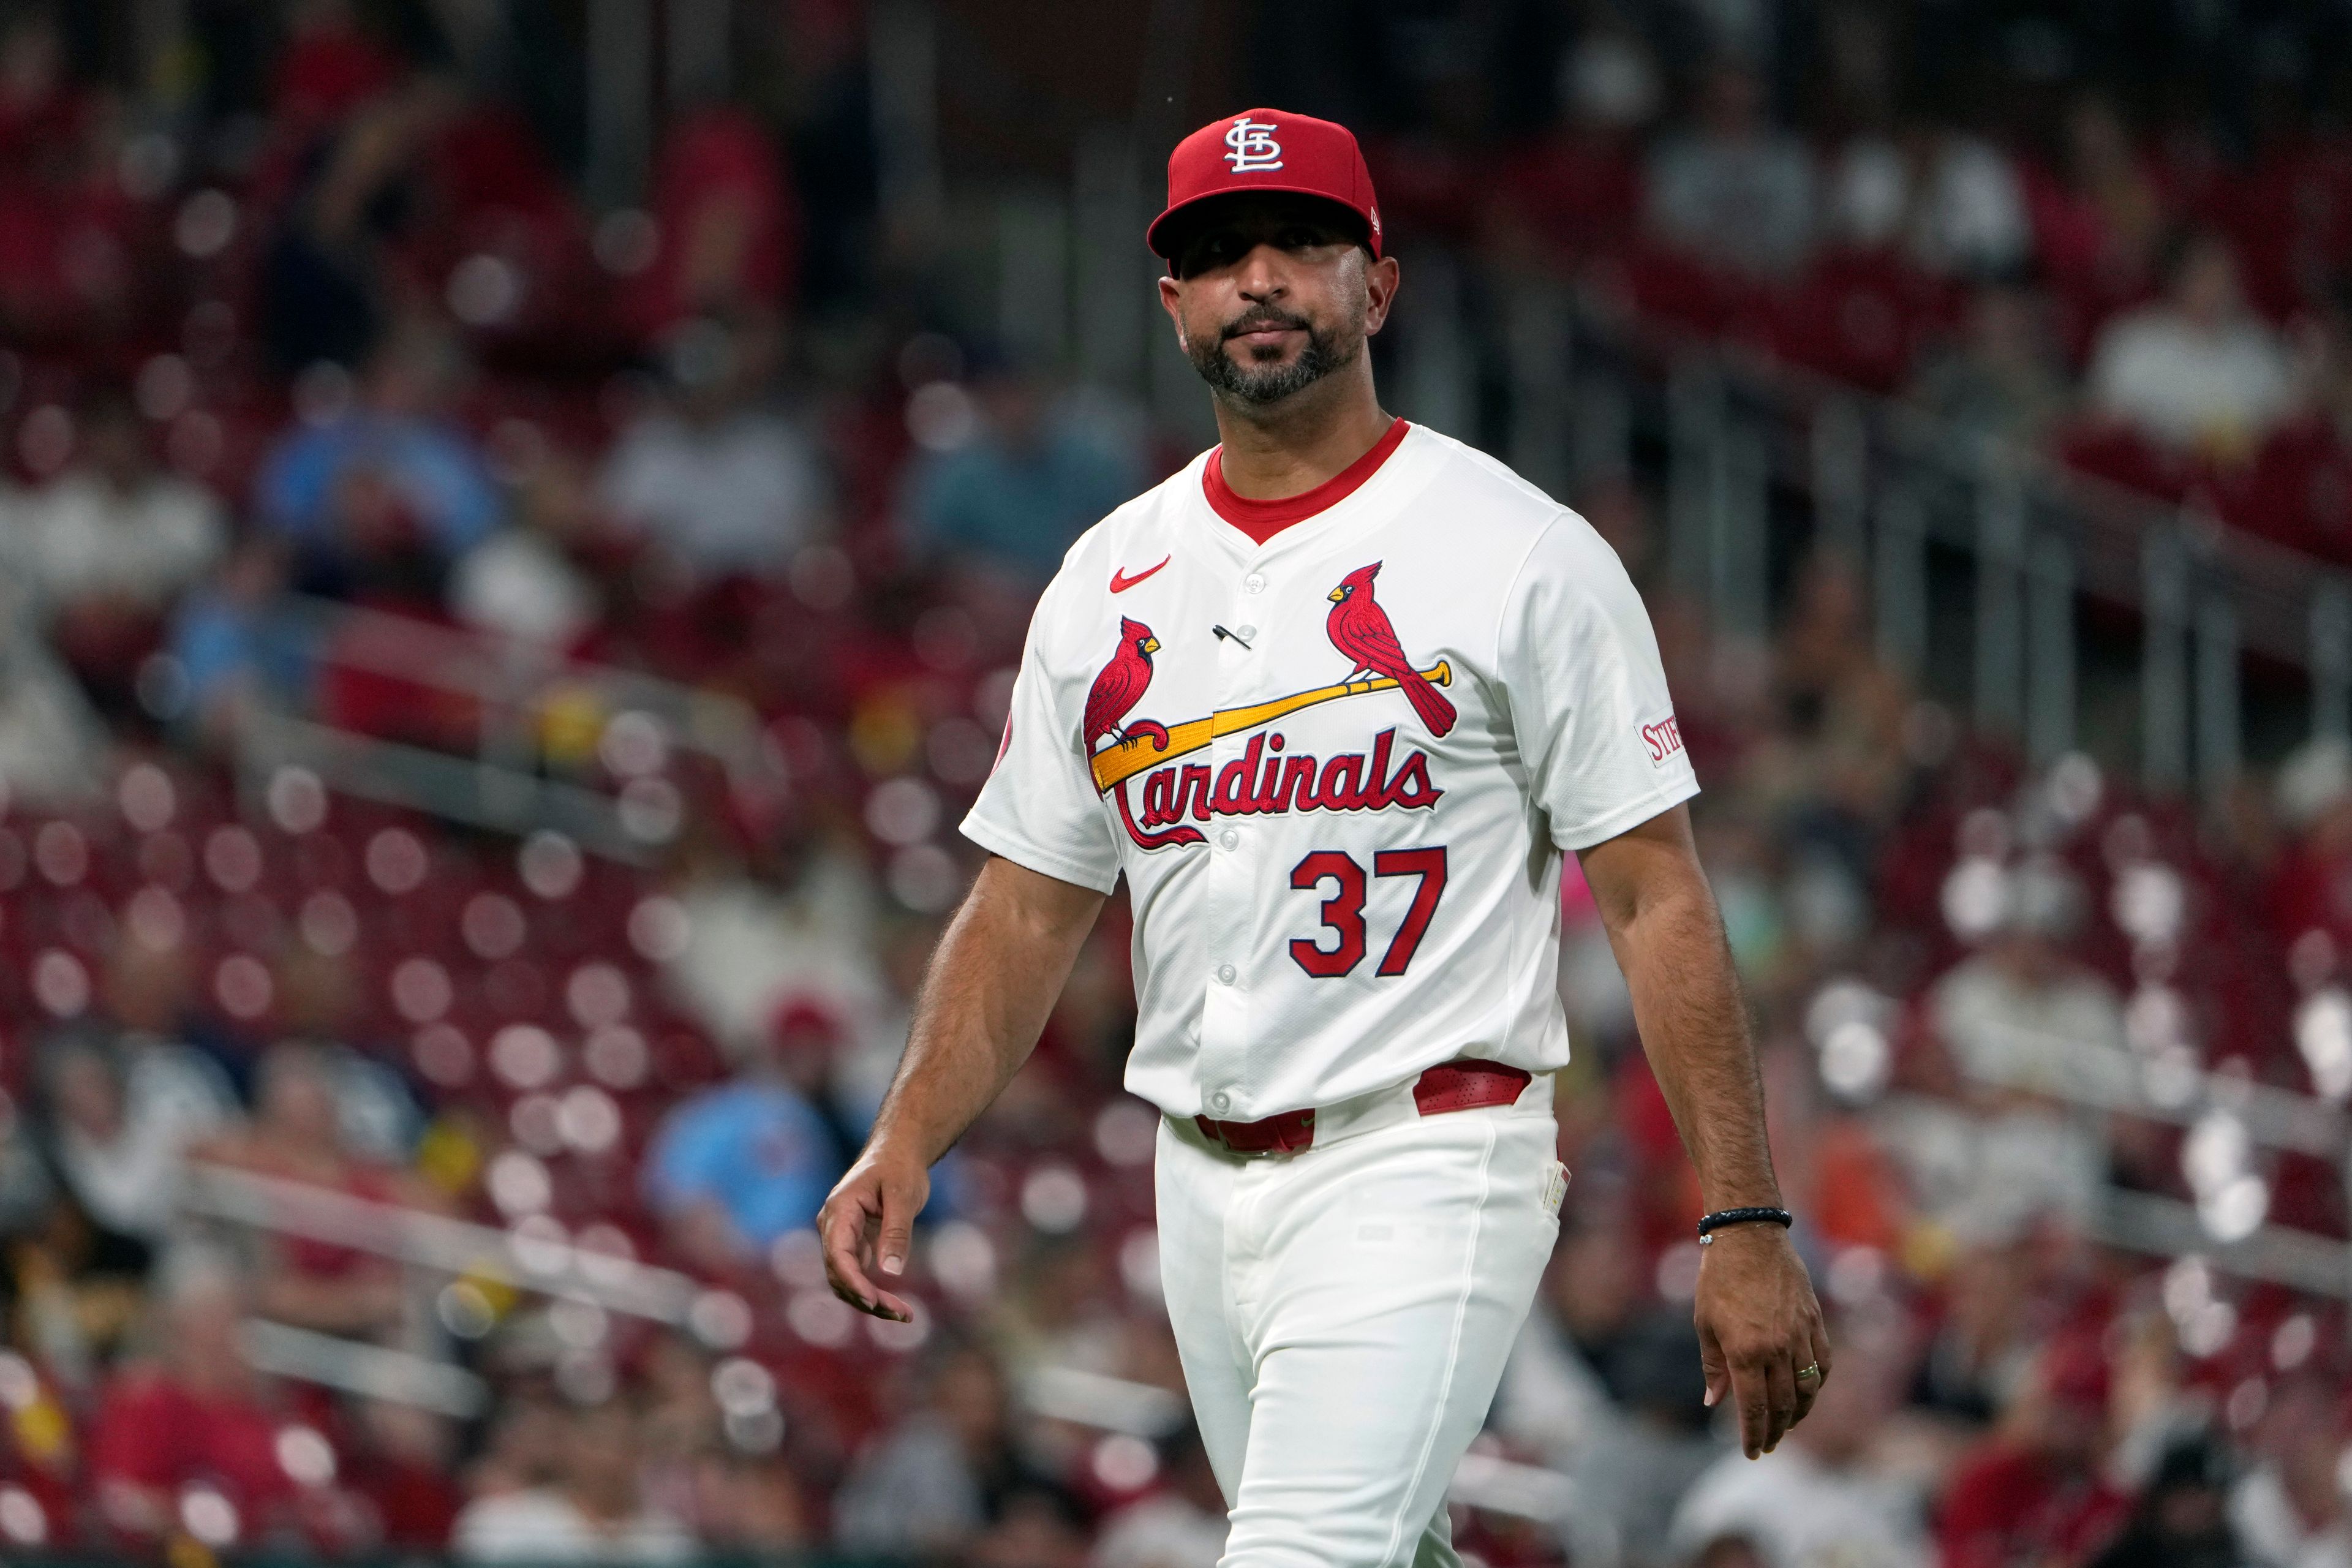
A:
x: 1028, y: 478
x: 738, y: 1166
x: 393, y: 454
x: 231, y: 648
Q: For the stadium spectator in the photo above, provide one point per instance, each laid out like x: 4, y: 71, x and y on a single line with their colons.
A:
x: 1007, y: 492
x: 1601, y: 1384
x: 2182, y: 1519
x: 194, y: 1415
x: 2015, y: 1157
x: 878, y: 1032
x: 934, y: 1486
x: 2000, y: 378
x: 109, y: 545
x: 592, y: 1511
x: 1733, y: 191
x: 2024, y: 986
x: 726, y: 228
x: 232, y: 647
x: 124, y: 1116
x: 711, y: 474
x: 2310, y: 888
x: 2289, y: 1509
x: 2035, y: 1488
x: 2099, y: 219
x: 1066, y: 1314
x: 1988, y: 1326
x: 40, y: 105
x: 1951, y: 203
x: 330, y: 66
x: 27, y: 1188
x: 1180, y: 1523
x: 297, y: 1135
x: 2297, y: 491
x: 329, y: 275
x: 51, y: 738
x: 1818, y: 1498
x: 522, y: 581
x: 69, y: 281
x: 403, y: 1464
x: 738, y: 1167
x: 359, y: 491
x: 1831, y: 769
x: 521, y: 1445
x: 2197, y: 372
x: 793, y: 918
x: 1576, y: 192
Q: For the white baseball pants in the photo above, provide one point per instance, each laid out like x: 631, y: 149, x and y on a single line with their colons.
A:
x: 1343, y: 1315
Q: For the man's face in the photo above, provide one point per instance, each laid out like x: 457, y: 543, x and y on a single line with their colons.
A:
x: 1271, y: 293
x: 88, y: 1095
x: 600, y: 1456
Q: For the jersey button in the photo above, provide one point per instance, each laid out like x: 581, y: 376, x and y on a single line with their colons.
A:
x: 1228, y: 838
x: 1253, y: 583
x: 1225, y: 974
x: 1247, y: 633
x: 1220, y: 1100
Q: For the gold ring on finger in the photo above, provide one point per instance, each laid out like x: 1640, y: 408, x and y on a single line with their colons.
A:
x: 1813, y: 1371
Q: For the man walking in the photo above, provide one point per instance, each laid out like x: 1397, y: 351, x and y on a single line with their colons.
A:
x: 1334, y: 698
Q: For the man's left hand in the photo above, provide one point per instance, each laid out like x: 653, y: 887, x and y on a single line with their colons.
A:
x: 1759, y: 1327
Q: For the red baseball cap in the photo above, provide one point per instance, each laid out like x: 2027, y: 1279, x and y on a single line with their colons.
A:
x: 1267, y: 150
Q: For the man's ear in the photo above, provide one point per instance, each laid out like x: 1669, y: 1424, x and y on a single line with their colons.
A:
x: 1172, y: 299
x: 1380, y: 279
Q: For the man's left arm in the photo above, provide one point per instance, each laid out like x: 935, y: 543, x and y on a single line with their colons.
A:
x: 1757, y: 1320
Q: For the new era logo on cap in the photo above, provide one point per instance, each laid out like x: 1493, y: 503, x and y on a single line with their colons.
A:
x: 1267, y: 150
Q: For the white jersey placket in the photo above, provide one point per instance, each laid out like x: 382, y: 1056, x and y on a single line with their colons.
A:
x: 1233, y: 880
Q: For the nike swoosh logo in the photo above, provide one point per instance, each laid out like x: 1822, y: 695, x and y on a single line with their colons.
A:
x: 1120, y: 582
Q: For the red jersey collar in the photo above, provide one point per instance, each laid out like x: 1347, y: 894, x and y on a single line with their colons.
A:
x: 1262, y: 519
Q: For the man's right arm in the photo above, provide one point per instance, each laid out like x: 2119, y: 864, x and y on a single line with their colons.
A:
x: 984, y: 999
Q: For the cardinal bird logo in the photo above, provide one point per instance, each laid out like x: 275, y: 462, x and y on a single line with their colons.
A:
x: 1360, y: 628
x: 1120, y: 687
x: 1115, y: 691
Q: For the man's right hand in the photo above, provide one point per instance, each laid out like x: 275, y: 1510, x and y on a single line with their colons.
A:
x: 867, y: 1227
x: 990, y: 984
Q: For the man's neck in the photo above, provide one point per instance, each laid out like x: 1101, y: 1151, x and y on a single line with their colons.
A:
x: 1284, y: 450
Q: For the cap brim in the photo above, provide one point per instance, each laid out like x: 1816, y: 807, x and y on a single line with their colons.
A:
x: 1165, y: 229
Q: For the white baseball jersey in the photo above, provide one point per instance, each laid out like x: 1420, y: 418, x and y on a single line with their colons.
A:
x: 1337, y: 769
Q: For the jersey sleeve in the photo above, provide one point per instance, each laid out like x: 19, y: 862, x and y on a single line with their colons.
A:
x: 1039, y: 808
x: 1586, y: 693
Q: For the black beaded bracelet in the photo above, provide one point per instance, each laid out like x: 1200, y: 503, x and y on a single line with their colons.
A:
x: 1709, y: 1224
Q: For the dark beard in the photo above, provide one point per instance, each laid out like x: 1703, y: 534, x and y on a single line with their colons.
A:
x: 1248, y: 383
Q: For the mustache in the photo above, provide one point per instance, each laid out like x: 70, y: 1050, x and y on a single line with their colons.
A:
x: 1260, y: 316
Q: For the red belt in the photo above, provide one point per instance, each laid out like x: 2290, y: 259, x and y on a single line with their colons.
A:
x: 1462, y: 1085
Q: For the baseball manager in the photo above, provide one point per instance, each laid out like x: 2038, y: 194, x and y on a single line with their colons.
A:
x: 1335, y: 698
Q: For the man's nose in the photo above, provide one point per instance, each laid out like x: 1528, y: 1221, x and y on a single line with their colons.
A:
x: 1262, y: 274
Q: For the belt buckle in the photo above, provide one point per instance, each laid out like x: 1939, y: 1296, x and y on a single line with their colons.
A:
x: 1293, y: 1135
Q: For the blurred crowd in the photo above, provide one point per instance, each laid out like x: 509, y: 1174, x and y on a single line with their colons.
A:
x: 2118, y: 238
x: 319, y: 348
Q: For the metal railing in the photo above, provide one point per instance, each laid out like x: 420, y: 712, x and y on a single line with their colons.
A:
x: 1979, y: 556
x: 2099, y: 1080
x: 510, y: 782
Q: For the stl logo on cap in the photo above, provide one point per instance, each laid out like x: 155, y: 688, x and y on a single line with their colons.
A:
x: 1240, y: 152
x: 1253, y: 146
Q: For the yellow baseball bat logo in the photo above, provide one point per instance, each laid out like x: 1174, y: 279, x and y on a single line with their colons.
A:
x: 1122, y: 760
